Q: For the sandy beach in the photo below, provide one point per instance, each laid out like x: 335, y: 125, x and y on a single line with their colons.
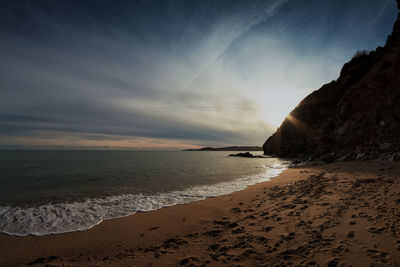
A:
x: 99, y: 98
x: 340, y: 214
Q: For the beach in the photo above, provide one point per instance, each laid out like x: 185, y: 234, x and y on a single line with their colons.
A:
x: 126, y: 129
x: 338, y: 214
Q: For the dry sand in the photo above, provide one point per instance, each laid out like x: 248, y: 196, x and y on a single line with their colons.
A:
x: 341, y: 214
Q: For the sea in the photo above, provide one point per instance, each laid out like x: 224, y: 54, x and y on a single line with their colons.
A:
x: 51, y: 192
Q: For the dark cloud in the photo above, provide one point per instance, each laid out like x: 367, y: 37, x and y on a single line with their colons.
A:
x: 192, y: 72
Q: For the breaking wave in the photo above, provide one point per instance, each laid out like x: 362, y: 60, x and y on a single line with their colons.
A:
x: 78, y: 216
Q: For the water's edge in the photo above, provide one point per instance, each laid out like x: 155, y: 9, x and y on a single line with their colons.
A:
x: 80, y: 216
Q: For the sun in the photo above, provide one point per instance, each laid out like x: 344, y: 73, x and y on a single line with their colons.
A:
x: 278, y: 105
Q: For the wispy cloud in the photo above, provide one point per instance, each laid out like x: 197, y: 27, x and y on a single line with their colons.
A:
x: 169, y: 73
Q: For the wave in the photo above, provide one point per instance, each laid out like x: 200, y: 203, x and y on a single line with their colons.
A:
x: 79, y: 216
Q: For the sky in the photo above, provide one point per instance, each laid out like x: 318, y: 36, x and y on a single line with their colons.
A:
x: 170, y: 74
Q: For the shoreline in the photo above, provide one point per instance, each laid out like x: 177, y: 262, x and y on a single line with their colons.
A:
x: 208, y: 231
x: 120, y: 206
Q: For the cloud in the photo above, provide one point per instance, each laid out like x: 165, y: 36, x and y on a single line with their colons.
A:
x: 168, y: 73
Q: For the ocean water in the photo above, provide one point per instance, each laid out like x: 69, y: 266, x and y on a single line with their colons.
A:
x: 49, y: 192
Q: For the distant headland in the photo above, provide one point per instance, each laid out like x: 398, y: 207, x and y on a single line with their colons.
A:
x: 228, y: 148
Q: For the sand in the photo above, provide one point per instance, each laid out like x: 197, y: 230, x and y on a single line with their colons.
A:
x: 340, y: 214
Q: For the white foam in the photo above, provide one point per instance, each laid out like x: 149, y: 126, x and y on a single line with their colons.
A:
x: 79, y: 216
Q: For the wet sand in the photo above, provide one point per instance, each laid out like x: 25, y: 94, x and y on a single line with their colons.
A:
x: 340, y: 214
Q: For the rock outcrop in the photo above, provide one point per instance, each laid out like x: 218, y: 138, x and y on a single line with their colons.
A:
x: 246, y: 155
x: 355, y: 117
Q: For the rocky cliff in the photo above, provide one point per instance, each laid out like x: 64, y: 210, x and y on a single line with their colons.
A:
x: 355, y: 117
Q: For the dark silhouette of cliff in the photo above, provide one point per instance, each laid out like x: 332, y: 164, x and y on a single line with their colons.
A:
x: 355, y: 117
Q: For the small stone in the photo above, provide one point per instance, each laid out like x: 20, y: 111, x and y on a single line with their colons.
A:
x: 340, y: 131
x: 360, y: 155
x: 351, y: 234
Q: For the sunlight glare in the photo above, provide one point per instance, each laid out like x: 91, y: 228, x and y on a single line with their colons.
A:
x: 279, y: 104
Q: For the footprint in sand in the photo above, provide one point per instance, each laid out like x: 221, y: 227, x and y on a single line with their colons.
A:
x: 236, y: 210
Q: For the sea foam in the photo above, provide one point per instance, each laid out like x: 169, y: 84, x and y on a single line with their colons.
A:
x: 79, y: 216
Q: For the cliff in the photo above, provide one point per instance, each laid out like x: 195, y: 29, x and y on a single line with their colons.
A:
x: 355, y: 117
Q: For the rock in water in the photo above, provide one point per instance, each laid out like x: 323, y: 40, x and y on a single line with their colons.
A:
x: 353, y: 115
x: 243, y: 155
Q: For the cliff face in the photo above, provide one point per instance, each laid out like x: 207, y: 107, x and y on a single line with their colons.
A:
x: 356, y: 116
